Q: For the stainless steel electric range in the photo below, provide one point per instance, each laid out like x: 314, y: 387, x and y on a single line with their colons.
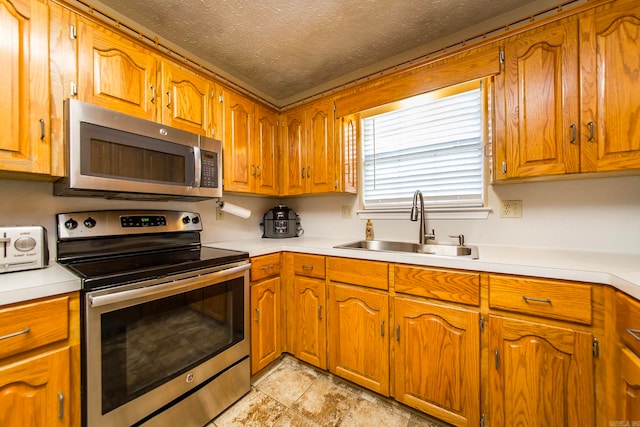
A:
x: 164, y: 319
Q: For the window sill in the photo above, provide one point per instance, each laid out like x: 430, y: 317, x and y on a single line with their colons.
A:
x: 460, y: 213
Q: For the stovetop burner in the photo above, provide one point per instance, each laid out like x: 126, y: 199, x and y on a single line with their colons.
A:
x: 105, y: 249
x: 119, y: 270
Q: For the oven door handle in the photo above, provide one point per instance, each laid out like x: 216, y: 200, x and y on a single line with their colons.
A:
x: 168, y: 288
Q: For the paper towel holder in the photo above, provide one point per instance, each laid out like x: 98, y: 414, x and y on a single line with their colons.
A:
x: 232, y: 209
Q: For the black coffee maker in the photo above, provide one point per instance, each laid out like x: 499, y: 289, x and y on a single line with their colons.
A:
x: 281, y: 222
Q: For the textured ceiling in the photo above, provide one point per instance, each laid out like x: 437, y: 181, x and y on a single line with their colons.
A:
x: 282, y: 48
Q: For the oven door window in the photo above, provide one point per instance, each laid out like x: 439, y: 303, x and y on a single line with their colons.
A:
x: 111, y: 153
x: 146, y: 345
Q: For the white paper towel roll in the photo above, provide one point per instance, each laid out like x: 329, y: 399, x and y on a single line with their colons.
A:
x: 234, y: 209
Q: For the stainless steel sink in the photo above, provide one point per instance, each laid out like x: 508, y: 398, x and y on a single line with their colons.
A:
x: 442, y: 249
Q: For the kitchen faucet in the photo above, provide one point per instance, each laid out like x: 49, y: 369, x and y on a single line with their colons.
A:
x: 423, y: 220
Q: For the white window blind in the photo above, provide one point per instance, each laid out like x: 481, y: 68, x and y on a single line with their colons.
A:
x: 434, y: 146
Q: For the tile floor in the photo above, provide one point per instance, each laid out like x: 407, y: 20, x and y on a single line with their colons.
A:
x: 292, y: 393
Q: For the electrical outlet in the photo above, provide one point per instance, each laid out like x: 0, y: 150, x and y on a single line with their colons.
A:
x: 346, y: 212
x: 511, y: 209
x: 219, y: 214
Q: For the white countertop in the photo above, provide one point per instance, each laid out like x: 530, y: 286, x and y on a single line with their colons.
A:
x: 619, y: 270
x: 33, y: 284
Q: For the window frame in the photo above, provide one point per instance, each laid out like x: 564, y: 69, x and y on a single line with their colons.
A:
x: 451, y: 212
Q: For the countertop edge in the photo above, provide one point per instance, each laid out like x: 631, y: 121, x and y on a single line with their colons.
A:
x: 621, y: 271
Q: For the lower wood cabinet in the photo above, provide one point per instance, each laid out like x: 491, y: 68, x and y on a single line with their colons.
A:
x: 628, y: 357
x: 39, y: 363
x: 359, y: 336
x: 629, y: 388
x: 265, y: 323
x: 309, y: 323
x: 35, y: 391
x: 539, y: 375
x: 437, y: 360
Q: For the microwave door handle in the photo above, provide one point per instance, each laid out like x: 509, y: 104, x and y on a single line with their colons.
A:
x: 197, y: 157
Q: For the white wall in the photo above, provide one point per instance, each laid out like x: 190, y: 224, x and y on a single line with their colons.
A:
x: 601, y: 214
x: 33, y: 203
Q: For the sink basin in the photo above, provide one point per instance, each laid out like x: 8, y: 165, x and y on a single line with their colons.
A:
x: 442, y: 249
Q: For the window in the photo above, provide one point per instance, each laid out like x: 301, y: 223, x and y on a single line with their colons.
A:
x: 432, y: 143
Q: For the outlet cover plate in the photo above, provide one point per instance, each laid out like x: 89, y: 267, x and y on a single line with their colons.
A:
x: 511, y: 209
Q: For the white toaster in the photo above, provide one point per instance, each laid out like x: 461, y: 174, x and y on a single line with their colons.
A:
x: 23, y: 248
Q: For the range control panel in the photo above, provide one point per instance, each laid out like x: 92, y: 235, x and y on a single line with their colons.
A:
x: 80, y: 225
x: 23, y: 248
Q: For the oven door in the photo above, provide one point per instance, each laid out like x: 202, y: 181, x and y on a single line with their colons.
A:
x: 150, y: 343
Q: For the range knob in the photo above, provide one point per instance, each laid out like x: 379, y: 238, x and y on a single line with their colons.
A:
x: 70, y: 224
x: 195, y: 219
x: 186, y: 220
x: 89, y: 222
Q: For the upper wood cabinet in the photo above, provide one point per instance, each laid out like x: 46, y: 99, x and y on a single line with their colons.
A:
x: 570, y: 92
x: 347, y: 153
x: 319, y: 149
x: 238, y: 116
x: 540, y: 88
x: 539, y: 375
x: 265, y: 154
x: 186, y: 100
x: 116, y: 73
x: 293, y: 174
x: 309, y: 162
x: 250, y: 144
x: 24, y: 84
x: 610, y: 87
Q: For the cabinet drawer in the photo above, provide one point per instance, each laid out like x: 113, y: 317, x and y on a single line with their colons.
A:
x: 265, y: 266
x: 27, y: 326
x: 628, y: 321
x: 373, y: 274
x: 447, y: 285
x: 308, y: 265
x: 547, y: 298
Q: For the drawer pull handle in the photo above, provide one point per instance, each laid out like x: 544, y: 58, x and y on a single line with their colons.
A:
x: 307, y: 267
x: 267, y: 267
x: 15, y: 334
x: 635, y: 333
x: 531, y: 299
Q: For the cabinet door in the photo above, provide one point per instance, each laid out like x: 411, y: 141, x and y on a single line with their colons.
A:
x: 320, y: 163
x: 539, y: 375
x: 310, y: 328
x: 24, y: 85
x: 359, y: 336
x: 294, y: 155
x: 541, y: 91
x: 239, y: 170
x: 609, y: 46
x: 36, y: 392
x: 629, y: 392
x: 266, y: 155
x: 186, y: 100
x: 437, y: 360
x: 265, y: 327
x: 348, y: 164
x: 116, y: 73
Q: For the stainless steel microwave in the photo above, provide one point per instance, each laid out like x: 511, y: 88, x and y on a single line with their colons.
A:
x: 118, y: 156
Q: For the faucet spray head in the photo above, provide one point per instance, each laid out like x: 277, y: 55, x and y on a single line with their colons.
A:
x: 414, y: 213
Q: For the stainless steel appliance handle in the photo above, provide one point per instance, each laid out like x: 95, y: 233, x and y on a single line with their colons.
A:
x: 197, y: 157
x: 172, y: 287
